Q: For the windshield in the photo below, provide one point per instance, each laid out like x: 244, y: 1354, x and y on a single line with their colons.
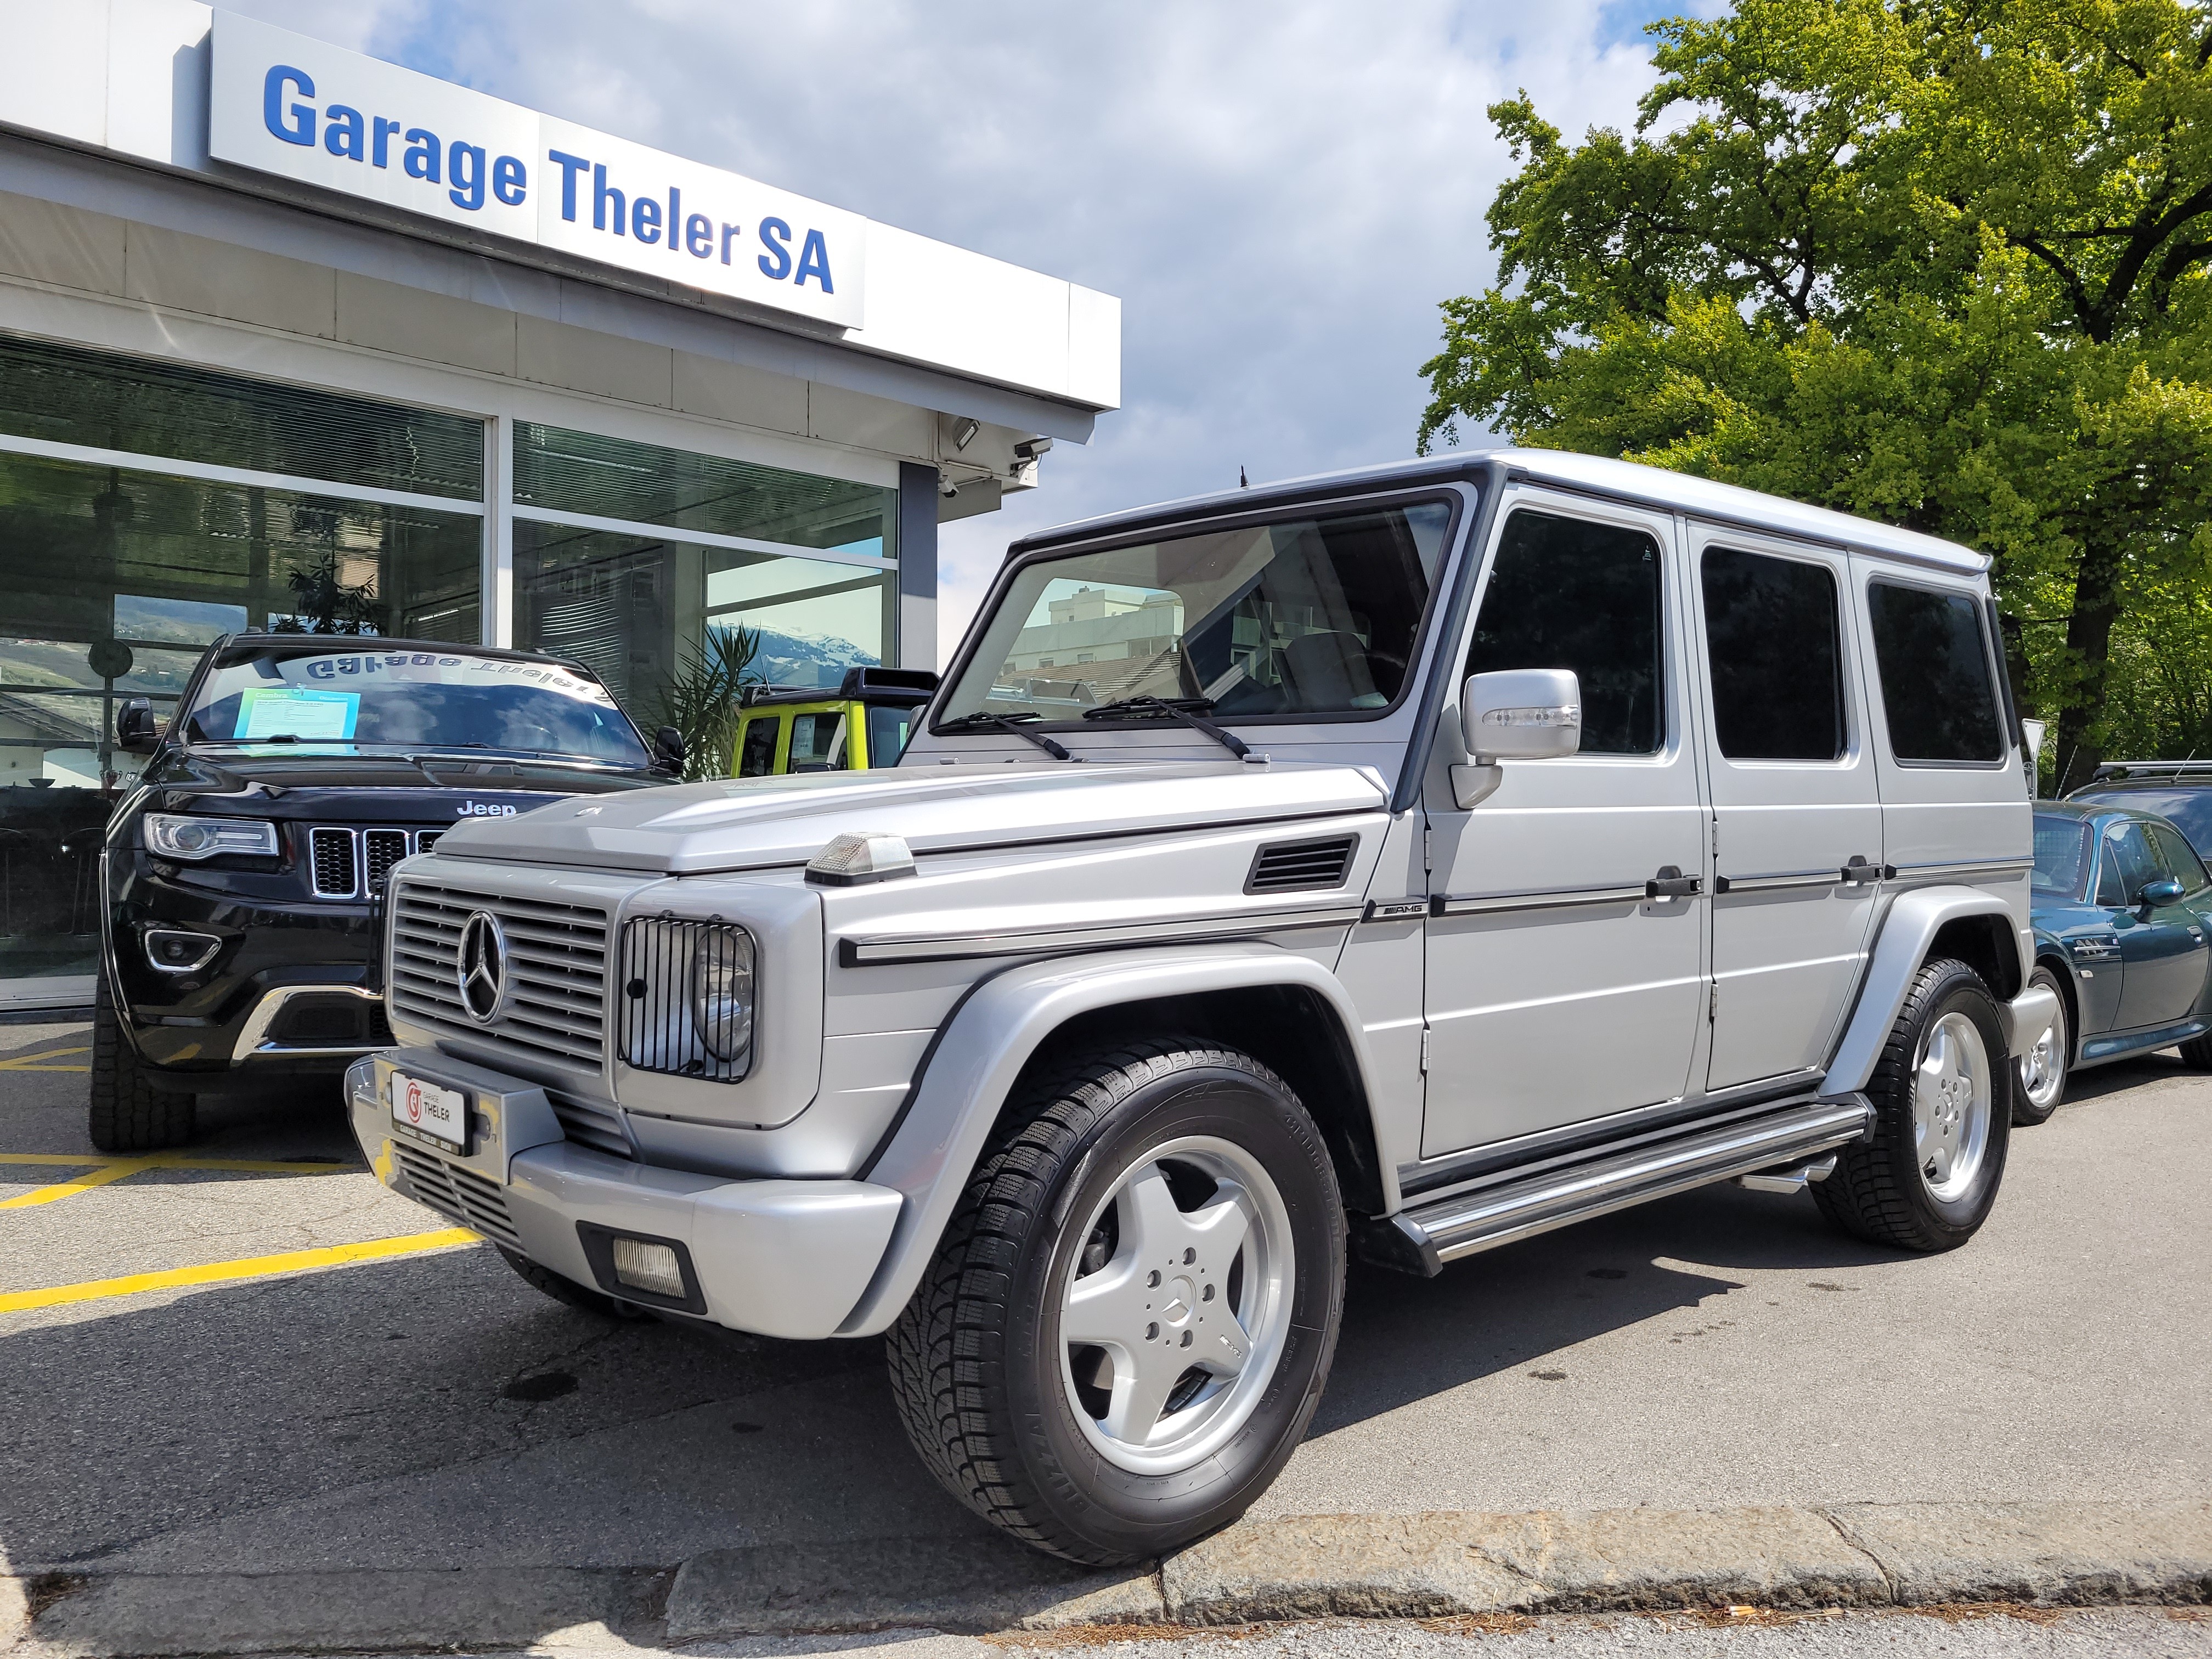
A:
x: 1317, y: 615
x: 2062, y: 857
x: 2192, y: 809
x: 336, y: 698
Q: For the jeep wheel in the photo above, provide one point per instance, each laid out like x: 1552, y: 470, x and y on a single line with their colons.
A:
x: 1942, y: 1100
x: 2043, y: 1062
x: 128, y: 1114
x: 1130, y: 1321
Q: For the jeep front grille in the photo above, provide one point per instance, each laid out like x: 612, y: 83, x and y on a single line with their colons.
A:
x: 348, y: 863
x: 331, y: 852
x: 379, y: 850
x: 457, y: 1193
x: 556, y: 970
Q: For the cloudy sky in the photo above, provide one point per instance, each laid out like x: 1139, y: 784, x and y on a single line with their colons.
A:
x: 1280, y: 195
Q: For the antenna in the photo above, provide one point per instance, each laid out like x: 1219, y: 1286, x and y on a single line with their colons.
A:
x: 1243, y: 483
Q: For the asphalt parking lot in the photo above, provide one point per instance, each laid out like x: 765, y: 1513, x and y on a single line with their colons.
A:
x: 367, y: 1391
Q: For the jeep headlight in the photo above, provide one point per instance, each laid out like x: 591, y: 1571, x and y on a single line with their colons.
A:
x: 688, y: 998
x: 178, y: 835
x: 722, y: 993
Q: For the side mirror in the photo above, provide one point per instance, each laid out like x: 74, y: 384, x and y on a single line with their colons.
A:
x: 1515, y: 714
x: 2157, y: 893
x: 136, y: 733
x: 668, y: 749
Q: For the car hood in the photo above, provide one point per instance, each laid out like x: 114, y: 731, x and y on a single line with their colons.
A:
x: 749, y: 823
x: 353, y: 787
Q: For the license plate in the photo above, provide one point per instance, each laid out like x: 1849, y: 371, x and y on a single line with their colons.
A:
x: 430, y: 1110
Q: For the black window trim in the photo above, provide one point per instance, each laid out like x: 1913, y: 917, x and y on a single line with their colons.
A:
x: 1457, y: 495
x: 1855, y: 735
x: 1526, y: 494
x: 1994, y: 663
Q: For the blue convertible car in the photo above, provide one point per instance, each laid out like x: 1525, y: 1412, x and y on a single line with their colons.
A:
x: 2123, y: 912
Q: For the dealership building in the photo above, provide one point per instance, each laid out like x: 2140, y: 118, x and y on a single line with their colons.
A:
x: 290, y: 337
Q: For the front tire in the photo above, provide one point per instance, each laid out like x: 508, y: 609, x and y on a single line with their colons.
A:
x: 1130, y: 1318
x: 127, y: 1112
x: 1942, y: 1099
x: 2043, y: 1063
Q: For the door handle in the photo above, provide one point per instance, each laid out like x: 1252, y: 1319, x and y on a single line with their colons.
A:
x: 1858, y: 871
x: 1671, y: 883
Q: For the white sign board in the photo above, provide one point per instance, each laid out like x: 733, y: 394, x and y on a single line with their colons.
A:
x: 284, y: 104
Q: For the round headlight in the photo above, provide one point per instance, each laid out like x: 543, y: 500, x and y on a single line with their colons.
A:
x: 722, y: 992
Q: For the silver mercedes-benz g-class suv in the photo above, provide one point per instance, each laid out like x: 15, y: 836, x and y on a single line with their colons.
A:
x: 1404, y: 862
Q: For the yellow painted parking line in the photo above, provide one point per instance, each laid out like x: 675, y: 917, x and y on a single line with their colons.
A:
x: 180, y: 1161
x: 255, y: 1266
x: 98, y: 1177
x: 30, y: 1062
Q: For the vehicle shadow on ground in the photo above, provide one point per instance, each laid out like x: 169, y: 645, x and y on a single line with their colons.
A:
x: 435, y: 1411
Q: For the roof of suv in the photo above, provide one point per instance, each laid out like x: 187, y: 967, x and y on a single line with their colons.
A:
x: 1653, y: 486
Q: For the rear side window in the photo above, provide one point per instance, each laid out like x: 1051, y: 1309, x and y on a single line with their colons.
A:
x: 1938, y: 694
x: 1777, y: 651
x: 1566, y: 594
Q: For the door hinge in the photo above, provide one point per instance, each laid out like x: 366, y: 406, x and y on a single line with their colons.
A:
x: 1425, y: 1051
x: 1713, y: 1001
x: 1716, y: 838
x: 1428, y: 850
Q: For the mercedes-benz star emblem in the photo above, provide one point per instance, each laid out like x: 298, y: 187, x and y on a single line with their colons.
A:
x: 482, y: 970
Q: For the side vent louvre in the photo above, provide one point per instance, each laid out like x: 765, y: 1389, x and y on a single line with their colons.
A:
x: 1301, y: 866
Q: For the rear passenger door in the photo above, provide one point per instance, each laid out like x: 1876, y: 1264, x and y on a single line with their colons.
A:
x: 1796, y: 809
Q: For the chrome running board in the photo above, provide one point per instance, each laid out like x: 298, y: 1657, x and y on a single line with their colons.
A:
x: 1422, y: 1240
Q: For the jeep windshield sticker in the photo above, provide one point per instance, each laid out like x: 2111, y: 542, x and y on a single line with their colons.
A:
x: 423, y: 668
x: 284, y: 711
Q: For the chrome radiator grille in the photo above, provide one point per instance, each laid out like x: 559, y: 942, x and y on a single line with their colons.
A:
x: 555, y: 969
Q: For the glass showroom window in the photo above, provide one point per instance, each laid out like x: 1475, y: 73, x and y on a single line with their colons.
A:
x: 120, y: 569
x: 630, y: 558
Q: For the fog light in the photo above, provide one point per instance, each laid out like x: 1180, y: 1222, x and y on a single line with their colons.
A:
x: 652, y: 1268
x: 174, y: 951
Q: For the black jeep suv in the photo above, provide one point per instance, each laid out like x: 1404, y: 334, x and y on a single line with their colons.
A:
x: 243, y: 874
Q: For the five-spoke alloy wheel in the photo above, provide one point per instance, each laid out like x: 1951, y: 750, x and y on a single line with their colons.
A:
x: 1943, y: 1095
x: 1130, y: 1321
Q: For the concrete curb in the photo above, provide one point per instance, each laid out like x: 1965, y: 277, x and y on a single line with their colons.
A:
x: 1327, y: 1566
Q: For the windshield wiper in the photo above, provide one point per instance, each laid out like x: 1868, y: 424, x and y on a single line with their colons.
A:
x: 1185, y: 709
x: 1012, y: 723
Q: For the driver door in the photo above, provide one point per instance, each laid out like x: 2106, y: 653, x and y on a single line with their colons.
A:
x: 1557, y: 991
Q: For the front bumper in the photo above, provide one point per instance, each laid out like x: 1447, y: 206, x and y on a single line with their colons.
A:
x: 778, y: 1258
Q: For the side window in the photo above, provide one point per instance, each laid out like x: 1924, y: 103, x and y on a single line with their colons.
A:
x: 2178, y: 858
x: 2112, y: 891
x: 1772, y: 633
x: 817, y: 743
x: 887, y: 734
x: 758, y: 759
x: 1937, y: 692
x: 1565, y: 594
x: 2131, y: 863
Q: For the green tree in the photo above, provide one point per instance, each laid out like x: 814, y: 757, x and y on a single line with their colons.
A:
x: 1941, y: 263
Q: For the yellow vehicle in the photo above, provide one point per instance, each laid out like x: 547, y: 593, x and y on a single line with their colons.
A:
x: 863, y: 723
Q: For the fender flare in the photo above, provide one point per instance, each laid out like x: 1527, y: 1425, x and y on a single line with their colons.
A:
x: 979, y: 1052
x: 1908, y: 929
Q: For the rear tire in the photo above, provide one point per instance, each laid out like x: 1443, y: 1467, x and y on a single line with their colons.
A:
x: 128, y: 1114
x: 1943, y: 1098
x: 2043, y: 1064
x: 2197, y: 1052
x: 1175, y: 1198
